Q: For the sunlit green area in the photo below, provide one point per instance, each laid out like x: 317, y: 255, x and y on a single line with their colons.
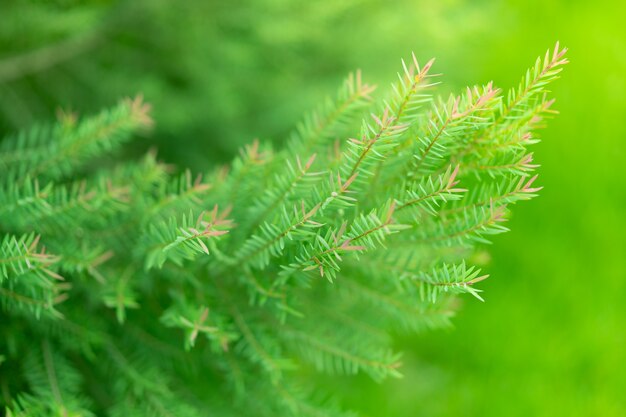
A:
x: 550, y: 340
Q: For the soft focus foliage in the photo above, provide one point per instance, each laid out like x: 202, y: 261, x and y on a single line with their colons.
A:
x: 380, y: 216
x: 222, y: 74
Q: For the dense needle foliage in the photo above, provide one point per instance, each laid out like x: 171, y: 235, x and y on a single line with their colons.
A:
x: 129, y: 290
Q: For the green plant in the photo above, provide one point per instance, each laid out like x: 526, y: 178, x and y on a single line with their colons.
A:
x: 291, y: 260
x: 85, y: 54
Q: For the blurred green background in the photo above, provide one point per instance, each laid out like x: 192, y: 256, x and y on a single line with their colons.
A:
x: 550, y: 339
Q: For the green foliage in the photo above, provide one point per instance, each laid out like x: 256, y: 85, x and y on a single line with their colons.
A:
x: 263, y: 272
x: 185, y: 59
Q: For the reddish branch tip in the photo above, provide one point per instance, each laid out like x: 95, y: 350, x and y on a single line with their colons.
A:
x: 526, y: 188
x: 140, y: 110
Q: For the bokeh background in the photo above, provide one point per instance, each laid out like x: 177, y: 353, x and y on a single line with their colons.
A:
x: 550, y: 340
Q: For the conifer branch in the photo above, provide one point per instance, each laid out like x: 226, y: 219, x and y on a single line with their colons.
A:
x: 230, y: 263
